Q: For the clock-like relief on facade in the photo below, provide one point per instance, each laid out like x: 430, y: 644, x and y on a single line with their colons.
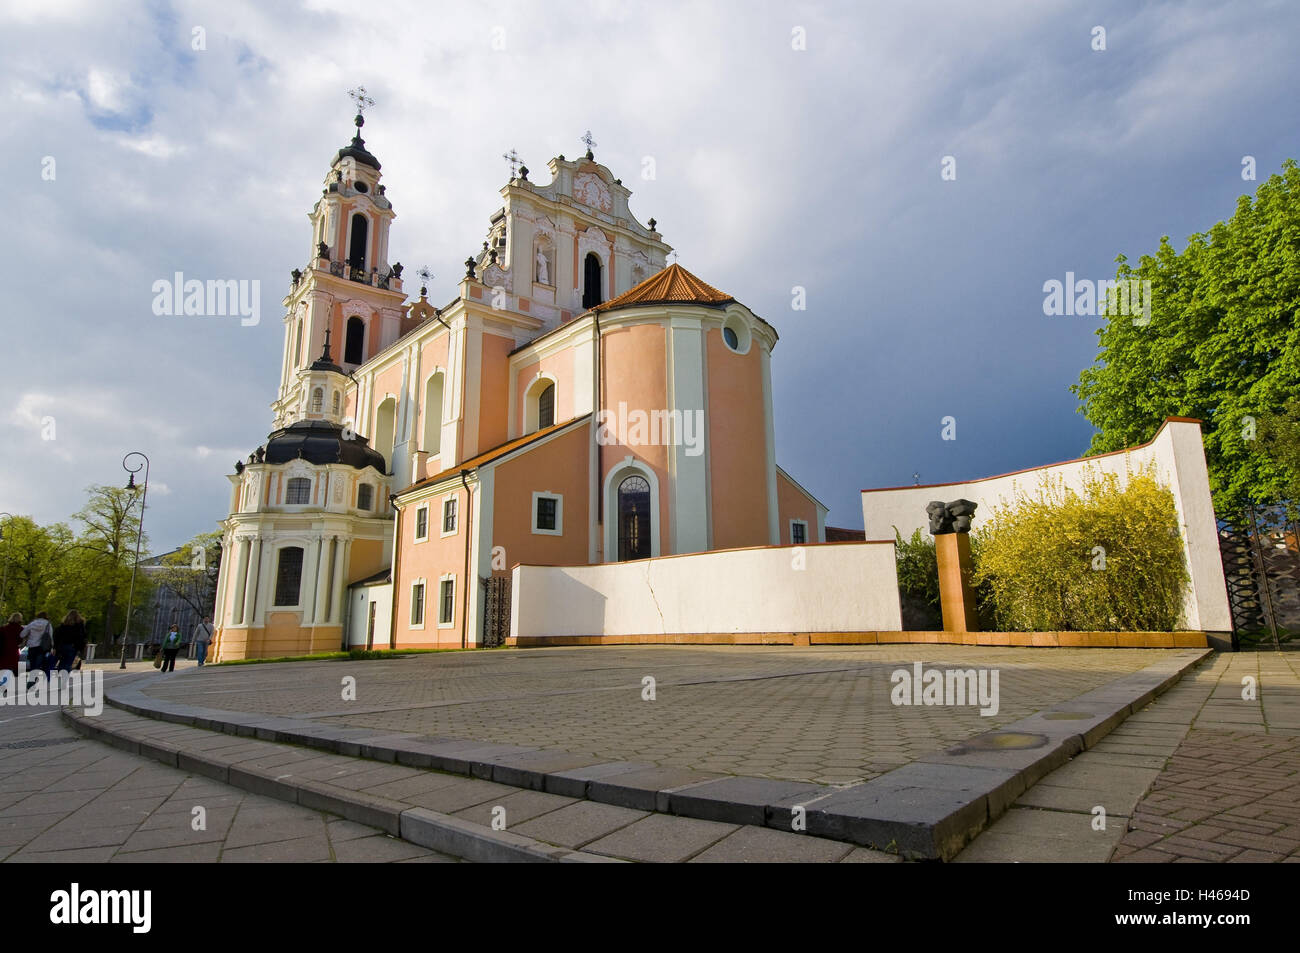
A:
x: 591, y: 191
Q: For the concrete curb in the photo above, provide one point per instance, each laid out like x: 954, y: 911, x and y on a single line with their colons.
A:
x: 927, y: 810
x: 441, y: 832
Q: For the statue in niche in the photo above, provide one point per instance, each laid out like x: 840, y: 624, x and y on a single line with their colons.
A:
x: 543, y: 267
x: 951, y: 517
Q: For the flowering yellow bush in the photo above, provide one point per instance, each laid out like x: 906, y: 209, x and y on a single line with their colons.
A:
x: 1110, y: 558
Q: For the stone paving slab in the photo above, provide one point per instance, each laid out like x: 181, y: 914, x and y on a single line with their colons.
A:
x: 928, y: 808
x: 1201, y: 775
x: 349, y: 787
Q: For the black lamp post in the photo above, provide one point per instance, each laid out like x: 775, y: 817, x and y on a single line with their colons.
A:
x: 130, y: 485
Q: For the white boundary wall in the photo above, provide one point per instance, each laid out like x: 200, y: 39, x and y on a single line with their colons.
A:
x: 1179, y: 458
x: 842, y: 587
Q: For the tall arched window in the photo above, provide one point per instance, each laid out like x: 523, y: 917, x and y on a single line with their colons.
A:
x: 298, y: 491
x: 357, y: 248
x: 546, y: 407
x: 633, y: 518
x: 297, y: 348
x: 591, y: 269
x: 433, y: 415
x: 288, y: 576
x: 317, y: 400
x: 386, y: 430
x: 354, y: 348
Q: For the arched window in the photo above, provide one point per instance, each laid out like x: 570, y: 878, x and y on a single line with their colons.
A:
x: 433, y: 415
x: 298, y: 491
x: 386, y: 430
x: 546, y: 407
x: 288, y: 576
x: 355, y: 347
x: 365, y: 495
x: 357, y: 249
x: 317, y: 400
x: 297, y: 348
x: 335, y: 410
x: 633, y: 518
x: 591, y: 293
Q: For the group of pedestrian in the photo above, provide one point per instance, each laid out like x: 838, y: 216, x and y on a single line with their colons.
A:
x: 171, y: 644
x: 49, y: 647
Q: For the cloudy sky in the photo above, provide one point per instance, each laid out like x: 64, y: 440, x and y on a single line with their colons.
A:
x: 775, y: 166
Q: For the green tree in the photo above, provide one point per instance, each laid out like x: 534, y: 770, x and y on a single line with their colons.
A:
x: 110, y: 521
x: 1222, y: 344
x: 191, y: 572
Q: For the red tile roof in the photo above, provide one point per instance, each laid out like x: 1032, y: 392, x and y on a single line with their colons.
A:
x: 673, y: 285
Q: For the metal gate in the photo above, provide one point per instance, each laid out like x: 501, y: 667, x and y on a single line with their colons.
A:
x: 496, y: 611
x: 1261, y: 564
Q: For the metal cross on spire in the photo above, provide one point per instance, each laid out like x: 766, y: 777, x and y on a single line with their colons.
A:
x: 512, y: 158
x: 360, y: 98
x: 586, y: 137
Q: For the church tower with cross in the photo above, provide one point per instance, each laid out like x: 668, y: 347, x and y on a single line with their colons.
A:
x: 580, y: 399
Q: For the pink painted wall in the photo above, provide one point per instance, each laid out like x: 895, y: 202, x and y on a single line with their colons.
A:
x: 737, y: 444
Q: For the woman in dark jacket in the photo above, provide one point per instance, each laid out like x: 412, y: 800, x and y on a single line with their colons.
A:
x: 9, y: 643
x: 69, y: 640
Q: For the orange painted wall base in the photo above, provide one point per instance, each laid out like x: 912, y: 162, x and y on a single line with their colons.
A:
x: 1108, y: 640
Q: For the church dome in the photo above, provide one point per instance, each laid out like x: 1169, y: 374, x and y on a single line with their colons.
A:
x: 320, y: 442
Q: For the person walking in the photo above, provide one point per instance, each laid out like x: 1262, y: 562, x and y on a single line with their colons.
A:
x: 38, y: 636
x: 69, y: 640
x: 170, y: 646
x: 202, y: 636
x: 10, y: 643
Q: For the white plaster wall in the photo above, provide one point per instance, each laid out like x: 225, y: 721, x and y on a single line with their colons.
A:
x: 1179, y: 458
x: 849, y: 587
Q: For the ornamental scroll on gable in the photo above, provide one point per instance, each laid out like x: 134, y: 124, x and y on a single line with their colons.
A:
x: 590, y: 190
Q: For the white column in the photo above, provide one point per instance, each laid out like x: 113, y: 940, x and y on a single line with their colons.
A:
x: 313, y: 563
x: 248, y: 591
x: 341, y: 553
x: 265, y: 574
x: 323, y: 572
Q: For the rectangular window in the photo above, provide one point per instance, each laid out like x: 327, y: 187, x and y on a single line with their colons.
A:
x: 298, y: 491
x: 422, y: 523
x: 798, y: 532
x: 446, y: 601
x: 288, y: 576
x: 417, y: 604
x: 548, y: 514
x: 364, y: 494
x: 449, y: 516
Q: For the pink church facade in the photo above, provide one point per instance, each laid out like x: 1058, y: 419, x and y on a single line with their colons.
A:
x: 579, y: 401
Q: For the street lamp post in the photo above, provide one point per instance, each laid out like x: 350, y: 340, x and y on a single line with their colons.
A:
x: 130, y: 485
x: 4, y: 580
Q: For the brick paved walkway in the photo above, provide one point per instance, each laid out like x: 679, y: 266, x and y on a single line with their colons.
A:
x: 818, y: 714
x: 1199, y: 775
x: 1231, y: 790
x: 65, y: 799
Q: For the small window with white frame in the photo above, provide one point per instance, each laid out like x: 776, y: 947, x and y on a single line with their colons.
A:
x: 548, y: 514
x: 449, y: 516
x: 365, y: 496
x: 798, y: 532
x: 297, y: 491
x: 417, y: 605
x: 446, y: 601
x: 422, y: 523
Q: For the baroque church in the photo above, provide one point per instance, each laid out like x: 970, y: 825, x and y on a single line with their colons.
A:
x: 580, y: 400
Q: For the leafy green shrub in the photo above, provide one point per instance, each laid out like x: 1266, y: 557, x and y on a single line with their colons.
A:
x: 918, y: 582
x: 1108, y: 559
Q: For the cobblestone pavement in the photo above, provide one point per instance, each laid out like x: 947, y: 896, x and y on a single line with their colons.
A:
x: 1231, y: 790
x: 1201, y: 774
x: 820, y: 714
x: 65, y: 799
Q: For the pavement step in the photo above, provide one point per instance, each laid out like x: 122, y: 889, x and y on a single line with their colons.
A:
x: 401, y: 800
